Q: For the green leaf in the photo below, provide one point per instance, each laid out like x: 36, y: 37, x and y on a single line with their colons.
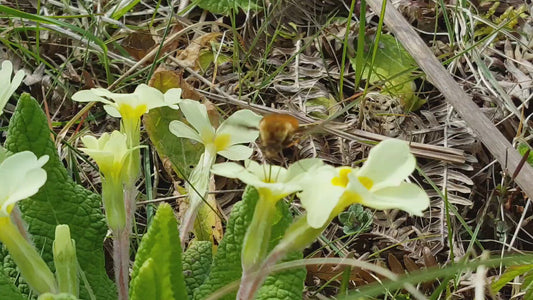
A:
x: 197, y: 264
x: 509, y: 275
x: 144, y: 285
x: 208, y: 56
x: 157, y: 271
x: 393, y: 69
x: 8, y: 290
x: 123, y: 8
x: 60, y: 201
x: 522, y: 149
x: 227, y: 267
x: 182, y: 153
x: 225, y: 7
x: 527, y: 285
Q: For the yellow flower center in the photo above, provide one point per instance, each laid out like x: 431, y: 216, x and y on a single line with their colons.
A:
x: 366, y: 182
x: 132, y: 113
x: 342, y: 179
x: 222, y: 141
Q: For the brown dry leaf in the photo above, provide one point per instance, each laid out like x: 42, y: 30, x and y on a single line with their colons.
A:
x: 176, y: 43
x: 328, y: 272
x: 410, y: 265
x: 189, y: 56
x: 212, y: 113
x: 138, y: 43
x: 164, y: 80
x: 429, y: 258
x: 395, y: 265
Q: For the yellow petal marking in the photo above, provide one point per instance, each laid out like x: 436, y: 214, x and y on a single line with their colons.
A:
x: 342, y: 179
x: 132, y: 113
x: 366, y: 182
x: 222, y: 141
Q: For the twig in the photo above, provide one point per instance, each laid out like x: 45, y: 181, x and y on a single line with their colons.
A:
x: 489, y: 135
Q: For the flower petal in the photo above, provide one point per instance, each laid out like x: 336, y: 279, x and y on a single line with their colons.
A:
x: 196, y: 115
x: 319, y: 197
x: 101, y: 92
x: 6, y: 71
x: 90, y: 141
x: 112, y: 110
x: 92, y: 95
x: 388, y: 164
x: 109, y: 151
x: 241, y: 126
x: 182, y: 130
x: 8, y: 86
x: 173, y: 97
x: 234, y: 170
x: 17, y: 80
x: 301, y: 167
x: 150, y: 96
x: 228, y: 169
x: 21, y: 175
x: 266, y: 173
x: 237, y: 152
x: 407, y: 197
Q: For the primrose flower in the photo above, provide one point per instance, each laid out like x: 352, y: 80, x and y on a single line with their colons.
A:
x: 21, y: 176
x: 109, y: 152
x: 239, y: 128
x: 130, y: 106
x: 8, y: 86
x: 274, y: 182
x: 379, y: 184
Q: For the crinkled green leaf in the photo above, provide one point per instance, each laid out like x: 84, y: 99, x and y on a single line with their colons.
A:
x: 158, y: 260
x: 286, y: 285
x: 197, y: 264
x: 393, y: 69
x: 144, y: 285
x: 227, y: 267
x: 8, y: 291
x: 182, y: 153
x: 60, y: 201
x: 225, y: 7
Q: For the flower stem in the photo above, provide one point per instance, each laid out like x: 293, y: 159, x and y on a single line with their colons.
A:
x: 32, y: 267
x: 113, y: 198
x: 197, y: 189
x: 121, y: 243
x: 257, y: 236
x: 121, y: 258
x: 298, y: 236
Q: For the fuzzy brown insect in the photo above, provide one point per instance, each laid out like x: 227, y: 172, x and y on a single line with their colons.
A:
x: 277, y: 131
